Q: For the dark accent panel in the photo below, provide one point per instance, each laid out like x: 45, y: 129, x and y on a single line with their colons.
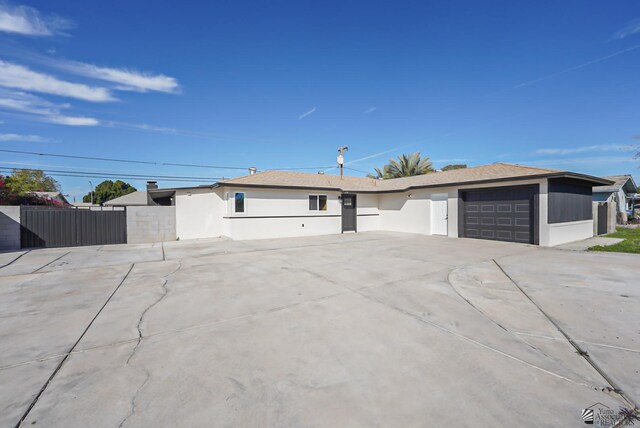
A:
x: 66, y: 227
x: 507, y: 213
x: 284, y: 216
x: 569, y: 200
x: 603, y: 220
x: 349, y: 213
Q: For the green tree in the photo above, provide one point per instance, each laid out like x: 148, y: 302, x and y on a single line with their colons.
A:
x: 108, y: 190
x: 23, y: 181
x: 454, y: 166
x: 405, y: 166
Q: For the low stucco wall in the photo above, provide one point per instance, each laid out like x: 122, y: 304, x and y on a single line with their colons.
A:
x: 561, y: 233
x: 9, y: 228
x: 151, y: 224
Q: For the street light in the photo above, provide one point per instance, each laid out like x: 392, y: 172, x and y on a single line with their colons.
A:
x: 91, y: 192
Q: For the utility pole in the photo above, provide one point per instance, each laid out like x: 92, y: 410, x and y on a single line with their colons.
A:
x: 341, y: 160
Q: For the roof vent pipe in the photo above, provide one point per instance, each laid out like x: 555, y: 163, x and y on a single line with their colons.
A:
x: 253, y: 170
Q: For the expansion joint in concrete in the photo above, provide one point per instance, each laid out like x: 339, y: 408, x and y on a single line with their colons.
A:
x: 66, y: 356
x: 613, y: 387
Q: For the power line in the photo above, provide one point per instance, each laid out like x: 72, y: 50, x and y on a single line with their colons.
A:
x: 120, y: 160
x: 204, y: 166
x: 357, y: 170
x: 129, y: 176
x: 125, y: 178
x: 299, y: 168
x: 78, y: 157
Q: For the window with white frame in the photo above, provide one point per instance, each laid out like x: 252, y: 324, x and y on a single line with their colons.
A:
x: 317, y: 202
x: 238, y: 202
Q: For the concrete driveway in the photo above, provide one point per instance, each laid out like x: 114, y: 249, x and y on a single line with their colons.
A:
x: 368, y: 329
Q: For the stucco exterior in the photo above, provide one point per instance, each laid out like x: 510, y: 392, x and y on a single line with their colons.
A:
x: 281, y: 213
x: 199, y: 213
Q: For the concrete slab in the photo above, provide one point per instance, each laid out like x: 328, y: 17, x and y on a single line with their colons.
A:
x: 594, y: 297
x: 345, y: 330
x: 585, y: 244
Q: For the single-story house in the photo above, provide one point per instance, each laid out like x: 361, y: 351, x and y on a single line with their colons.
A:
x: 52, y: 196
x: 621, y: 194
x: 151, y: 197
x: 500, y: 201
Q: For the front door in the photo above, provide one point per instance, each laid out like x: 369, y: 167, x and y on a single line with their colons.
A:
x: 349, y: 213
x: 439, y: 214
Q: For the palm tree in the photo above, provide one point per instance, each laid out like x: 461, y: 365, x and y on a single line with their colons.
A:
x: 405, y: 166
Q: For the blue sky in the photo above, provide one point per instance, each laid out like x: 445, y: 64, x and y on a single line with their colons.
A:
x: 284, y: 84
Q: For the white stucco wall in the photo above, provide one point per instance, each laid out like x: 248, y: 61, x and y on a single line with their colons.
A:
x: 368, y: 214
x: 282, y: 213
x: 279, y: 213
x: 401, y: 213
x: 199, y: 213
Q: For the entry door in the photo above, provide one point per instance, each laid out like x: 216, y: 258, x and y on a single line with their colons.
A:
x: 439, y: 214
x: 349, y: 217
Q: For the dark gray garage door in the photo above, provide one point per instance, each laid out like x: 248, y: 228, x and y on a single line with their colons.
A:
x: 501, y: 214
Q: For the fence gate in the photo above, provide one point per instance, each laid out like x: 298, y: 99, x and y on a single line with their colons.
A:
x: 43, y: 226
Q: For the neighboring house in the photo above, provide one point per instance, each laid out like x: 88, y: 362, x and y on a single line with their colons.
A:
x: 152, y: 197
x: 52, y: 196
x: 137, y: 198
x: 621, y: 194
x: 500, y: 201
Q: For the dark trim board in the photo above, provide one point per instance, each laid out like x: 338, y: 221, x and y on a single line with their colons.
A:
x: 368, y: 215
x: 534, y: 209
x: 283, y: 216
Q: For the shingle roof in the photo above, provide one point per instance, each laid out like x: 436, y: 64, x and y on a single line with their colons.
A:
x: 619, y: 182
x: 131, y: 199
x: 492, y: 172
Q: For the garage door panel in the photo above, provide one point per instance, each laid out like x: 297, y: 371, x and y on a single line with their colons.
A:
x: 499, y: 214
x: 504, y: 221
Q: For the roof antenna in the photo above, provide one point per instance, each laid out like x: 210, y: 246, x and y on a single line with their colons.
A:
x: 341, y: 159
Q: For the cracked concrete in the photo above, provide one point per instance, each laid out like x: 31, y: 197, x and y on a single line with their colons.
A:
x: 369, y: 329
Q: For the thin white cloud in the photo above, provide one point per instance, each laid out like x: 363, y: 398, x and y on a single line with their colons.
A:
x: 375, y: 155
x: 370, y: 110
x: 125, y: 79
x: 23, y: 138
x: 581, y: 163
x: 73, y: 120
x: 630, y: 29
x: 577, y: 67
x: 303, y: 115
x: 41, y: 109
x: 585, y: 149
x: 141, y: 127
x: 451, y: 160
x: 28, y: 21
x: 19, y: 77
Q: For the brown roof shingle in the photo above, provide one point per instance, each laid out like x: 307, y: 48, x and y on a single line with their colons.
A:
x: 492, y: 172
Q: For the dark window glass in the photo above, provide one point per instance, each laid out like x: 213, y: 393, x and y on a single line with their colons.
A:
x: 313, y: 203
x: 322, y: 199
x: 239, y: 202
